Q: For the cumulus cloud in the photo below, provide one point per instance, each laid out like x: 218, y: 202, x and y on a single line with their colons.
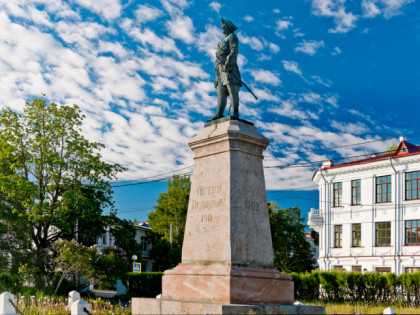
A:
x: 248, y: 18
x: 108, y: 9
x: 354, y: 128
x: 265, y: 76
x: 147, y: 13
x: 274, y: 48
x: 344, y: 20
x: 149, y: 38
x: 252, y: 41
x: 216, y: 6
x: 309, y: 47
x: 291, y: 66
x: 182, y: 28
x: 282, y: 25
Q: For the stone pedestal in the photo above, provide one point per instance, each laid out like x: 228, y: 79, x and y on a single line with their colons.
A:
x: 227, y: 255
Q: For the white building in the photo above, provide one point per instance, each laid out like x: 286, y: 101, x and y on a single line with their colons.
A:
x: 141, y: 237
x: 369, y: 213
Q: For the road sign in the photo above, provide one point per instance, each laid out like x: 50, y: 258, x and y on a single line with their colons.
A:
x: 136, y: 267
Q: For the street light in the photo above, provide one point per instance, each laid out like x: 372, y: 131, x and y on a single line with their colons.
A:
x: 134, y: 258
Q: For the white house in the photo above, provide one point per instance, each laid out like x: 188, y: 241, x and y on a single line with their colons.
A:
x: 369, y: 213
x: 141, y: 237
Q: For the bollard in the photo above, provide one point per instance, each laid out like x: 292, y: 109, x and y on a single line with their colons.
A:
x: 389, y: 311
x: 73, y: 297
x: 80, y: 307
x: 6, y: 308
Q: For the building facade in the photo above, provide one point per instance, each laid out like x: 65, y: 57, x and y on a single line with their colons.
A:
x: 107, y: 240
x: 369, y: 213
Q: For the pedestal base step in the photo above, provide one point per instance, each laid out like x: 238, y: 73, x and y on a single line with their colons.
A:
x: 163, y: 306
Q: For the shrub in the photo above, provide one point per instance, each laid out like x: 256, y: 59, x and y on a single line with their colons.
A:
x: 9, y: 282
x: 145, y: 284
x: 369, y: 287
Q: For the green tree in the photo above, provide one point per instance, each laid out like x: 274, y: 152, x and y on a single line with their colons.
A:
x: 392, y: 148
x: 72, y: 257
x: 292, y: 252
x: 52, y: 179
x: 171, y: 209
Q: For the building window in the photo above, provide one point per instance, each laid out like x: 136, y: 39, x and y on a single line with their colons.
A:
x: 356, y: 268
x: 412, y: 232
x: 144, y: 245
x: 412, y: 269
x: 383, y: 270
x: 357, y: 235
x: 104, y: 239
x: 383, y: 189
x: 383, y: 234
x: 337, y: 267
x: 338, y: 236
x: 355, y: 192
x: 412, y: 181
x: 338, y: 194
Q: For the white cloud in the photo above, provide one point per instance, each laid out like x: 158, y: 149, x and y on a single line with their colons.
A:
x: 370, y: 9
x: 336, y: 51
x: 322, y: 81
x: 248, y: 18
x: 345, y: 21
x: 147, y: 13
x: 182, y: 28
x: 208, y: 40
x: 291, y: 66
x: 252, y: 41
x: 309, y: 47
x: 147, y: 37
x: 108, y: 9
x: 265, y: 76
x: 393, y: 7
x: 353, y: 128
x: 215, y: 6
x: 274, y: 48
x: 282, y: 25
x: 288, y: 109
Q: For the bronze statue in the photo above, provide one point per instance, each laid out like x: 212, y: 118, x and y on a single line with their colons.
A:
x: 228, y: 79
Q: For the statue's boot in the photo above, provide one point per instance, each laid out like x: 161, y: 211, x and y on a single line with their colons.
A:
x: 221, y: 105
x: 235, y: 109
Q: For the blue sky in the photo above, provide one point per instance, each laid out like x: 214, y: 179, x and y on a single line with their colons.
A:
x: 327, y: 73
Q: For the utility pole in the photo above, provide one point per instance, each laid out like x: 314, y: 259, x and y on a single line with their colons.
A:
x: 170, y: 233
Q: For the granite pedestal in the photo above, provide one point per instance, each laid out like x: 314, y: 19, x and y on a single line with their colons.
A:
x: 227, y: 255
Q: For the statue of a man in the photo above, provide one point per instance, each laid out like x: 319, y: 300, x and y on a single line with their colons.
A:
x: 228, y: 79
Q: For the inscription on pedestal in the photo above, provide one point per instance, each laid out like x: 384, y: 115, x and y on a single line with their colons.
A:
x: 252, y: 205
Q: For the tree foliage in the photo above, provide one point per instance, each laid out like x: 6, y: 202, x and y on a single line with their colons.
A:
x: 292, y: 252
x: 52, y: 179
x: 172, y: 209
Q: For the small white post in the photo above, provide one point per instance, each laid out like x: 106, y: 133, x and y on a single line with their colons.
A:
x: 389, y: 311
x: 78, y: 307
x: 73, y: 297
x: 6, y: 308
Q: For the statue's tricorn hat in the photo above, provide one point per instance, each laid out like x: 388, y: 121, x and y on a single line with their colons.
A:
x: 229, y: 24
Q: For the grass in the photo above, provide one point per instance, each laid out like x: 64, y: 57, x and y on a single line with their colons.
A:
x: 58, y: 305
x: 361, y: 308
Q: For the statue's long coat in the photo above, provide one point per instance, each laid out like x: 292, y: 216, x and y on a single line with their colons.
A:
x: 227, y: 55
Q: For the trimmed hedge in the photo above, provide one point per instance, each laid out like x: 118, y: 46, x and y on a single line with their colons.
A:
x: 145, y: 284
x: 370, y: 287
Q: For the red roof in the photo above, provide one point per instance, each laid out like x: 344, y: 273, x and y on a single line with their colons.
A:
x: 404, y: 149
